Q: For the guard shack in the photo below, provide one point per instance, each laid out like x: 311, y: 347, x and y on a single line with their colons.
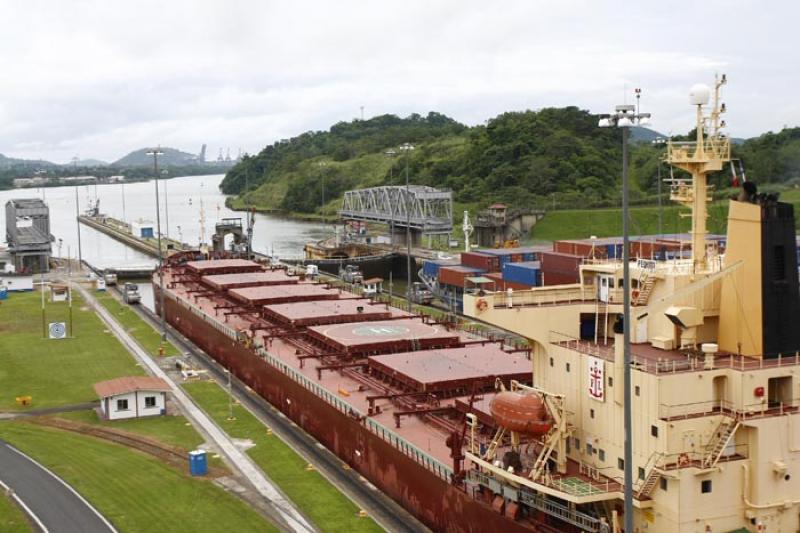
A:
x: 28, y: 235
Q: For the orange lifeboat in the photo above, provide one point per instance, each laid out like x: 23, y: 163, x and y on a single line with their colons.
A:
x: 523, y: 413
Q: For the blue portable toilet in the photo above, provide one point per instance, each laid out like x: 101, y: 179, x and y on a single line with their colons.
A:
x: 198, y: 463
x: 3, y: 293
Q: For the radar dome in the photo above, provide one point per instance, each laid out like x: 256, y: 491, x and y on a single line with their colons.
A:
x: 699, y: 94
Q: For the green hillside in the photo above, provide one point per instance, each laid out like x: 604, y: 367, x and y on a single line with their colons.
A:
x: 171, y: 157
x: 553, y: 156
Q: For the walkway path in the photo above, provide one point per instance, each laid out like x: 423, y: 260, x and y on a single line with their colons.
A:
x: 50, y: 502
x: 284, y: 509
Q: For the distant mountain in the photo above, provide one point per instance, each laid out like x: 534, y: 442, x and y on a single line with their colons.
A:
x: 87, y: 163
x: 9, y: 162
x: 171, y: 158
x: 639, y: 134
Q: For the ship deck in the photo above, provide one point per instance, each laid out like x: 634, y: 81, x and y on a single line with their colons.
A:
x: 417, y: 422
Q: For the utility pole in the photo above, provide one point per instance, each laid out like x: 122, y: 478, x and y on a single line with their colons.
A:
x: 78, y: 222
x: 155, y: 153
x: 391, y: 153
x: 407, y: 147
x: 166, y: 201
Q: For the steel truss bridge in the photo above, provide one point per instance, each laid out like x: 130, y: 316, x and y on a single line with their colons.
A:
x: 431, y: 210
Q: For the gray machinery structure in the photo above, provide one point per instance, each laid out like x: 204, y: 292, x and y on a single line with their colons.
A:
x: 431, y: 210
x: 28, y: 234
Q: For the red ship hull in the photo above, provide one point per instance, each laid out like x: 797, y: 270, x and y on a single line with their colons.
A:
x: 437, y: 503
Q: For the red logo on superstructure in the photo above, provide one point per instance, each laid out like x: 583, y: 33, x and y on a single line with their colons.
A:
x: 596, y: 378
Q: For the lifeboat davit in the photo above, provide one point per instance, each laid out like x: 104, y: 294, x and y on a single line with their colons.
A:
x: 526, y: 414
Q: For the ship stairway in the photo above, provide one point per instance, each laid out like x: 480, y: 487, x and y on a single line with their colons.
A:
x: 646, y: 489
x: 646, y: 284
x: 722, y: 436
x: 601, y: 317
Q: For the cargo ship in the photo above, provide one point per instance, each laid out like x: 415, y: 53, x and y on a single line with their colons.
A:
x: 471, y: 435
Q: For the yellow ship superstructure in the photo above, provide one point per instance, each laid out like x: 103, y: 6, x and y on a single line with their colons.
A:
x: 715, y: 375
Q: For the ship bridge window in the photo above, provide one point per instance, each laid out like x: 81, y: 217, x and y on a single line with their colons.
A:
x: 664, y: 483
x: 637, y: 390
x: 705, y: 486
x: 654, y: 431
x: 641, y: 473
x: 620, y: 463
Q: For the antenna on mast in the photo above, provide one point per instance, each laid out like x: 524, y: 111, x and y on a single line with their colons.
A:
x: 468, y: 229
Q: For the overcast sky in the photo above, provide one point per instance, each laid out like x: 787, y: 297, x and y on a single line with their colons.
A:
x: 101, y: 78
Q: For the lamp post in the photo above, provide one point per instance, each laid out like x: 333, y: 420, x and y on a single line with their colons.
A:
x: 164, y: 174
x: 658, y: 143
x: 390, y: 153
x: 155, y: 153
x: 407, y: 147
x: 321, y: 166
x: 625, y: 116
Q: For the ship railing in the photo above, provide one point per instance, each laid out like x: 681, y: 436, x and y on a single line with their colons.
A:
x: 687, y: 152
x: 535, y: 500
x: 727, y: 408
x: 585, y: 347
x: 697, y: 362
x: 695, y: 458
x: 434, y: 465
x: 561, y: 294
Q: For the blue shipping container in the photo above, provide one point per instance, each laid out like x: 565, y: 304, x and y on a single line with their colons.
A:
x: 527, y: 273
x: 431, y: 266
x: 198, y: 463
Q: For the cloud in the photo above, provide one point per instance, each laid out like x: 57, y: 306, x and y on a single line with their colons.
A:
x: 101, y: 78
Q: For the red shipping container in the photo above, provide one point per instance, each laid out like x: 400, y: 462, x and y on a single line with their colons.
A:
x: 456, y: 275
x: 560, y: 263
x: 581, y: 248
x: 487, y: 262
x: 555, y: 278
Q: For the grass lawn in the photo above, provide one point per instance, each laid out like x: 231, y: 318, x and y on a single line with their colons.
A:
x: 172, y: 430
x: 132, y: 490
x: 323, y: 503
x: 146, y: 336
x: 12, y: 519
x: 55, y: 372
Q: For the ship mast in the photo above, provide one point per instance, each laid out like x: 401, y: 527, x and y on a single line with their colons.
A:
x: 700, y: 158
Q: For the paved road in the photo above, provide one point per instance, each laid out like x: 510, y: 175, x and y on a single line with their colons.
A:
x: 284, y: 512
x: 54, y: 504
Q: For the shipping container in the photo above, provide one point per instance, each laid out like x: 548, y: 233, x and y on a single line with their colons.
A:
x: 430, y: 268
x: 528, y: 273
x: 456, y: 275
x: 502, y: 285
x: 481, y: 260
x: 555, y: 278
x: 559, y: 263
x: 581, y: 248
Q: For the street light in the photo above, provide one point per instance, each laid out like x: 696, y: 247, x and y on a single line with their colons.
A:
x: 164, y: 174
x: 321, y: 166
x: 390, y: 153
x: 407, y: 147
x: 658, y: 142
x: 625, y: 116
x: 155, y: 153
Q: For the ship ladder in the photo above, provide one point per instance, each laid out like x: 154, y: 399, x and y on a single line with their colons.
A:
x: 601, y: 310
x: 652, y: 478
x: 723, y: 436
x: 646, y: 283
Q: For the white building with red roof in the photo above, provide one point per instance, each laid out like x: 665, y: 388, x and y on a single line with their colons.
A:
x: 132, y: 397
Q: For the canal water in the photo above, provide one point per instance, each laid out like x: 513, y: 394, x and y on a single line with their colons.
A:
x: 182, y: 199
